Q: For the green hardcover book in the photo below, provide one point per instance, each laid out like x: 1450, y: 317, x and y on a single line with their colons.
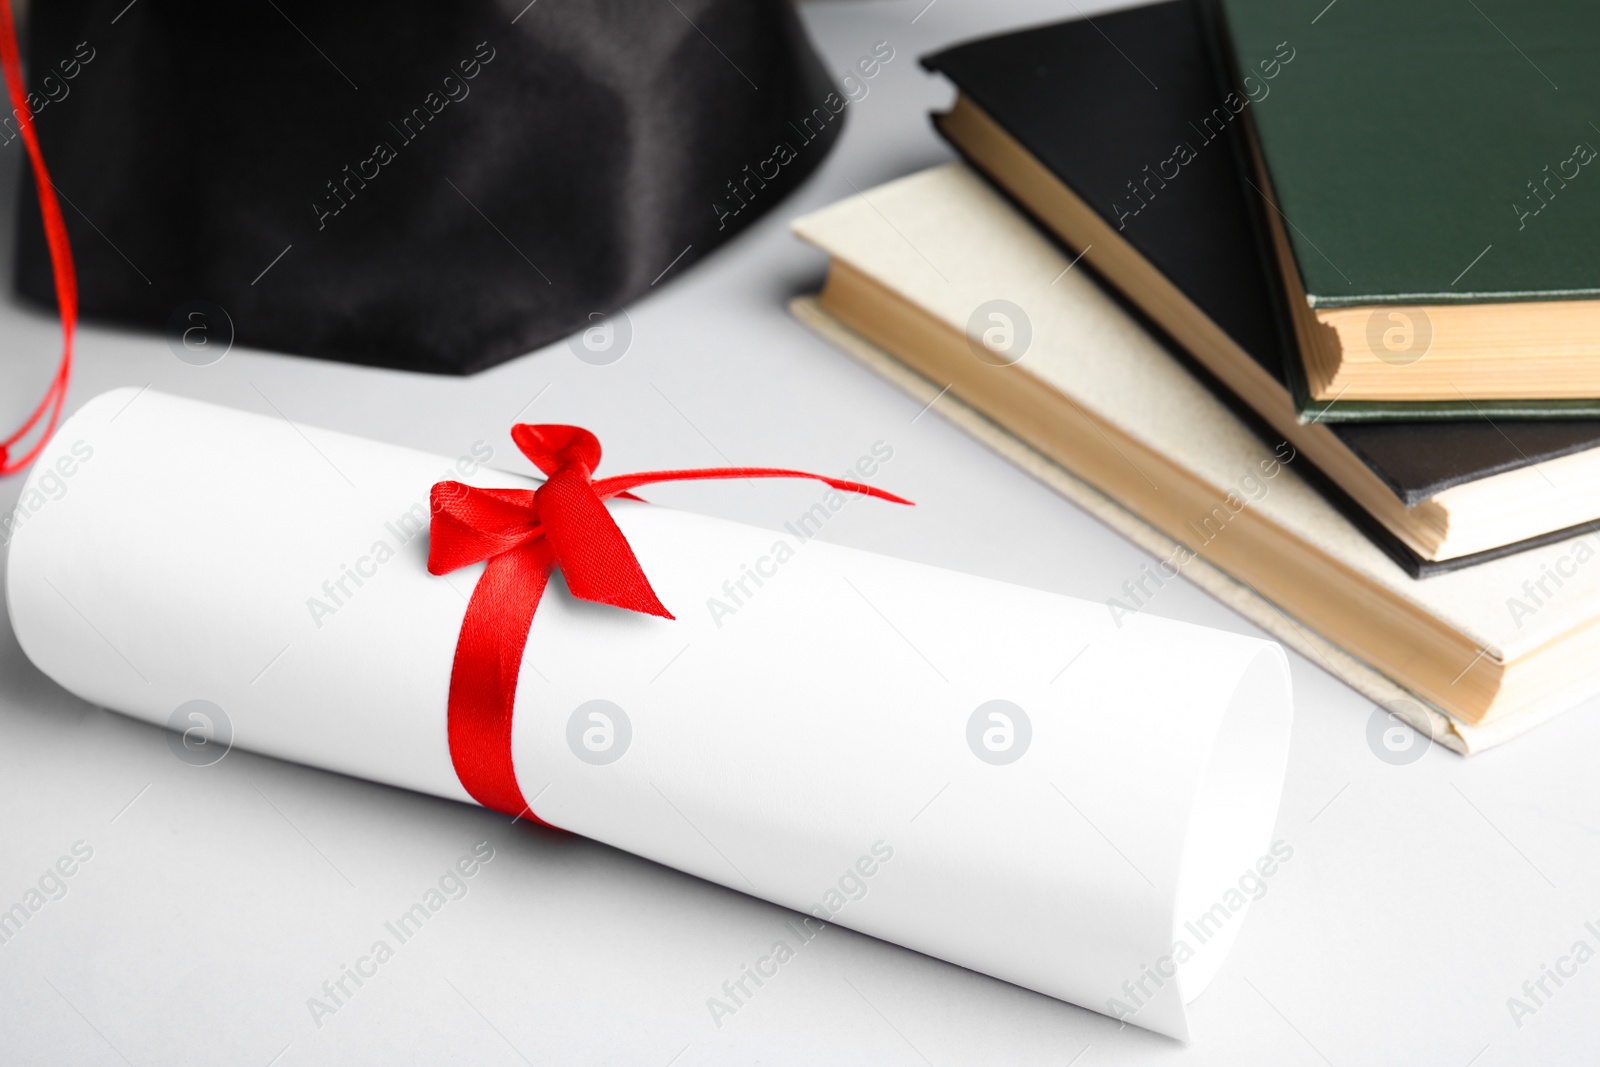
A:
x: 1433, y: 175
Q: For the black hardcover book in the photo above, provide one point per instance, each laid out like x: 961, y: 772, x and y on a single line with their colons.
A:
x: 1126, y: 113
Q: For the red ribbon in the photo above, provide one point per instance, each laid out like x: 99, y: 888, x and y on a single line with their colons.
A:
x: 55, y: 235
x: 524, y: 534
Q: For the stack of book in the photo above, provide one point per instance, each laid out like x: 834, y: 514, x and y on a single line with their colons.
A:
x: 1245, y: 284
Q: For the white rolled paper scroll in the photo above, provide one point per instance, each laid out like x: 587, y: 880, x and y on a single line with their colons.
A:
x: 902, y: 750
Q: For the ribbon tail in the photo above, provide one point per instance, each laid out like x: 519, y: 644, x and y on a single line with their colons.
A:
x: 619, y: 484
x: 483, y: 678
x: 594, y: 556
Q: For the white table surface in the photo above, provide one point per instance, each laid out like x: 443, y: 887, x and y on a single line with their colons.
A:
x: 219, y: 899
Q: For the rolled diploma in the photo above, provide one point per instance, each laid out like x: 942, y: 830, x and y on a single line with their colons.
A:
x: 781, y: 744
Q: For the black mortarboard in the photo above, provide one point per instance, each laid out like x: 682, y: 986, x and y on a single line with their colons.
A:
x: 425, y: 185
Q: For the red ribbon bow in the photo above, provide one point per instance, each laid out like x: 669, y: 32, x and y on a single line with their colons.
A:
x: 524, y: 534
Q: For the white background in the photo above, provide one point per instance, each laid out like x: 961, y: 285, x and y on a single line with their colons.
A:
x: 218, y: 899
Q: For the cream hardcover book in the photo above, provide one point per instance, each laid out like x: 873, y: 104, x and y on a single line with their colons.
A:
x: 940, y: 284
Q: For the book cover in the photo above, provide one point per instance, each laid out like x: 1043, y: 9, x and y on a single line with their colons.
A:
x: 1431, y: 151
x: 1126, y: 110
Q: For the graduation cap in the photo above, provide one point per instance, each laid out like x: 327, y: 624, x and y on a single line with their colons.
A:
x: 424, y: 185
